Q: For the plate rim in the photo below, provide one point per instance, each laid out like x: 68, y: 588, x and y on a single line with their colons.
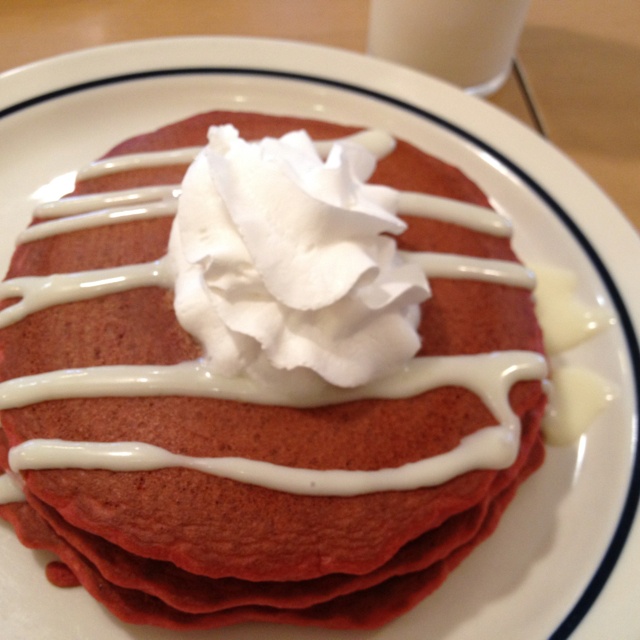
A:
x: 23, y: 82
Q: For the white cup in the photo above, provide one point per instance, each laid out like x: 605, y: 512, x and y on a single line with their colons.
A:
x: 470, y: 43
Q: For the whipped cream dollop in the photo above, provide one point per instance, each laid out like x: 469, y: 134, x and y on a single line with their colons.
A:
x: 284, y: 262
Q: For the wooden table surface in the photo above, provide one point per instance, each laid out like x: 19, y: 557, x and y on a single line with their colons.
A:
x: 576, y: 79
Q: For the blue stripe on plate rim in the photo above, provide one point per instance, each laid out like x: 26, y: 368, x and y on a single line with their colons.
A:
x: 597, y: 582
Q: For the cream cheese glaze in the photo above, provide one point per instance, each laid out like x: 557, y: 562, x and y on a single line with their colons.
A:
x: 576, y: 394
x: 567, y: 320
x: 10, y: 488
x: 490, y: 376
x: 493, y: 447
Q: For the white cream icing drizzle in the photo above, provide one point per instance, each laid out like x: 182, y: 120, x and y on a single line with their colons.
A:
x: 567, y: 320
x: 149, y: 202
x: 485, y: 449
x: 99, y: 218
x: 451, y: 211
x: 448, y: 265
x: 129, y: 162
x: 40, y: 292
x: 576, y: 397
x: 488, y: 375
x: 378, y: 142
x: 475, y: 372
x: 10, y: 488
x: 92, y: 202
x: 36, y: 293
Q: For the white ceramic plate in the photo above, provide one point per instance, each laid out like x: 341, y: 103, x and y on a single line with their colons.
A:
x: 562, y: 560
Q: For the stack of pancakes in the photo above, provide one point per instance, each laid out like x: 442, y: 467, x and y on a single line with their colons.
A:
x: 185, y: 550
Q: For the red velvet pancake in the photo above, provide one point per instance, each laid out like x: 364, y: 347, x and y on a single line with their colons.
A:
x: 197, y: 594
x: 177, y: 530
x: 369, y: 607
